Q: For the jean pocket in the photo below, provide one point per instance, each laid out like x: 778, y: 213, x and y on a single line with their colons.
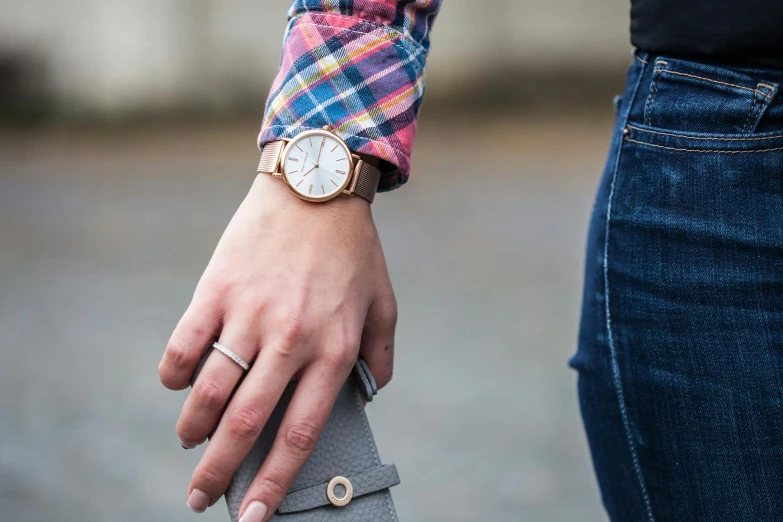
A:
x: 692, y: 97
x: 702, y: 142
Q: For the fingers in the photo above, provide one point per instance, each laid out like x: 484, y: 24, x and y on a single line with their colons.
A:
x: 214, y: 385
x: 241, y: 425
x: 296, y: 439
x: 195, y: 331
x: 377, y: 347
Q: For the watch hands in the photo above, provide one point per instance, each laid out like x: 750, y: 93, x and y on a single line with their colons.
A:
x: 309, y: 171
x: 323, y: 142
x: 330, y: 172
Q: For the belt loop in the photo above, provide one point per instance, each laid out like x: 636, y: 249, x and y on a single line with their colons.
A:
x: 642, y: 56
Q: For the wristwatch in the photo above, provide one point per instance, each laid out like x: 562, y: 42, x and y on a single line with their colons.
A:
x: 318, y: 166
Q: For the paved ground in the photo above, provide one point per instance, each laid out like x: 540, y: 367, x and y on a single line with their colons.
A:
x: 103, y: 236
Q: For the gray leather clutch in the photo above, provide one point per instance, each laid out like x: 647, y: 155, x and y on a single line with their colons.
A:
x: 344, y: 479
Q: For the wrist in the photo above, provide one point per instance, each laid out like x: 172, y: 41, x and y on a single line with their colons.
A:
x: 318, y: 166
x: 277, y: 199
x: 342, y: 226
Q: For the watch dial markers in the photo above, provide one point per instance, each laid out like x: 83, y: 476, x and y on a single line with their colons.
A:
x: 317, y: 159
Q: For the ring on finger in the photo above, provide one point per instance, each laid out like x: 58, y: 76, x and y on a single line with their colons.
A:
x: 231, y: 355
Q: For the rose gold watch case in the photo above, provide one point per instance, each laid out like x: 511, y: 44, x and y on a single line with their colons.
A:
x: 349, y: 177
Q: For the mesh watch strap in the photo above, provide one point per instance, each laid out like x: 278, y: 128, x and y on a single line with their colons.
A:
x: 367, y: 179
x: 270, y: 156
x: 366, y: 176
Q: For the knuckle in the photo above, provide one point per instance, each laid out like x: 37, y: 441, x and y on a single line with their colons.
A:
x: 173, y: 369
x: 209, y: 478
x: 169, y: 381
x: 390, y: 318
x: 301, y: 437
x: 346, y: 357
x: 245, y: 424
x: 292, y: 333
x: 209, y: 395
x: 285, y: 349
x: 388, y: 311
x: 341, y: 359
x: 188, y: 435
x: 177, y: 354
x: 348, y: 341
x: 270, y: 487
x: 214, y: 284
x: 293, y: 327
x: 345, y: 343
x: 254, y: 308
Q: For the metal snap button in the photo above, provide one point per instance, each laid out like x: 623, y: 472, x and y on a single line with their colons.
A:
x: 339, y: 501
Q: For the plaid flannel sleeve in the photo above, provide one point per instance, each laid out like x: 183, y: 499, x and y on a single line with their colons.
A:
x: 357, y: 66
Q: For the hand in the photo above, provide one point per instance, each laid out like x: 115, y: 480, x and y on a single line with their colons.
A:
x: 300, y: 288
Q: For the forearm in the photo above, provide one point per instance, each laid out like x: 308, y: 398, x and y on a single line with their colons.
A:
x: 358, y: 68
x: 300, y: 288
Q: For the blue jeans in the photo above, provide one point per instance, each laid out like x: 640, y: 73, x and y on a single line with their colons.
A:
x: 680, y: 353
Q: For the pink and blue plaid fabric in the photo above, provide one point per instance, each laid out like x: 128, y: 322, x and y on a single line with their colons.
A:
x: 357, y: 66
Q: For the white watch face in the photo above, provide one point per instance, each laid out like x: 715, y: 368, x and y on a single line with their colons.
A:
x: 316, y: 165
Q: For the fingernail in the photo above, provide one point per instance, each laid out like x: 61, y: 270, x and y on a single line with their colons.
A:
x: 198, y: 501
x: 255, y: 512
x: 185, y: 445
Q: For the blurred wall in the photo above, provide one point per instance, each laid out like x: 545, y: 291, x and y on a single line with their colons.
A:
x: 116, y: 55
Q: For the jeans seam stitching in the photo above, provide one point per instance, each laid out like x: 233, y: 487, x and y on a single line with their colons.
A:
x: 718, y: 82
x: 746, y: 127
x: 653, y: 89
x: 610, y: 337
x: 716, y: 151
x: 761, y: 105
x: 705, y: 138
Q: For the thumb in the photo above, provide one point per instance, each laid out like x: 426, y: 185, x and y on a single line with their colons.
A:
x: 377, y: 347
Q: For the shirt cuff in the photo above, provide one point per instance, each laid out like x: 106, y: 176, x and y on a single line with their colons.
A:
x: 363, y: 79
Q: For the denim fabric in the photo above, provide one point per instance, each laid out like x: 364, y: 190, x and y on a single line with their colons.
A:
x: 680, y: 354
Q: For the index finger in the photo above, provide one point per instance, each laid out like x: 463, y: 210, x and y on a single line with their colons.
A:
x: 295, y: 440
x: 239, y: 428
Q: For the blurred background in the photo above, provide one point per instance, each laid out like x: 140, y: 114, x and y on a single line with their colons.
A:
x: 127, y: 140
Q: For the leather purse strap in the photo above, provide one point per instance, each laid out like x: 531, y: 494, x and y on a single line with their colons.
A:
x: 363, y: 484
x: 364, y: 380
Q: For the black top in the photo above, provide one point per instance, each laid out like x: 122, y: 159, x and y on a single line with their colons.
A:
x: 741, y: 32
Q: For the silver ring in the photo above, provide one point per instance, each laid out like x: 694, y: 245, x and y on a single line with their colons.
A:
x: 231, y: 355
